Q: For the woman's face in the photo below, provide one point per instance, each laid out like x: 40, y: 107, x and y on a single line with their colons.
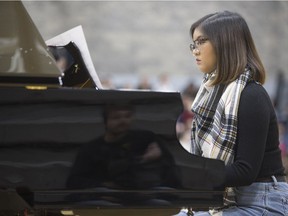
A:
x: 204, y: 52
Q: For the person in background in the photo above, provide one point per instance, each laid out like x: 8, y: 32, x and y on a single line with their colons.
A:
x: 144, y: 83
x: 164, y: 84
x: 234, y: 119
x: 122, y: 158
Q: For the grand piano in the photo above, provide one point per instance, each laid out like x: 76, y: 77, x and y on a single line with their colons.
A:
x: 55, y: 154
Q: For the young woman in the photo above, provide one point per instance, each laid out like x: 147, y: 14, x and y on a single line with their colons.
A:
x: 234, y: 119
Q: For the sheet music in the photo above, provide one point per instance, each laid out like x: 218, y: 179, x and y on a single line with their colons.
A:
x: 76, y: 35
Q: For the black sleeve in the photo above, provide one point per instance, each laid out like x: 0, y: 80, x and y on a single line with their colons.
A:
x: 89, y: 167
x: 253, y: 125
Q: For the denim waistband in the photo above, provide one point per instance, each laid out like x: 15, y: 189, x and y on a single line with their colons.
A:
x: 264, y: 187
x: 272, y: 179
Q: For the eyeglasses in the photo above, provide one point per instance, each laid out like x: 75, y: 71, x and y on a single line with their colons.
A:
x: 197, y: 43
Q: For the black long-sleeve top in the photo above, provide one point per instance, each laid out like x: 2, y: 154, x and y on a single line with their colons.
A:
x: 257, y: 146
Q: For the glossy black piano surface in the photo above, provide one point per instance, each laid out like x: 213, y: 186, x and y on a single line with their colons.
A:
x: 52, y: 152
x: 52, y: 157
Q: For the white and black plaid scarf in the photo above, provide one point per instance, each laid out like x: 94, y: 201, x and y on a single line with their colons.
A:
x: 214, y: 127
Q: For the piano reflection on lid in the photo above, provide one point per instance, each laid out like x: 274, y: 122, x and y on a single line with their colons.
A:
x: 123, y: 158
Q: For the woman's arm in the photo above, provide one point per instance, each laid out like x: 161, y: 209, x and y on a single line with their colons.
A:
x: 253, y: 126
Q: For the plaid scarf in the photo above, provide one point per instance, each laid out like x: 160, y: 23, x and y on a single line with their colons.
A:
x: 214, y: 127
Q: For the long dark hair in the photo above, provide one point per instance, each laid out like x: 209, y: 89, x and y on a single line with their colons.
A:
x: 235, y: 49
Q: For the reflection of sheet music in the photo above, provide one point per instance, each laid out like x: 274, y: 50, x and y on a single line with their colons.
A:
x: 77, y: 36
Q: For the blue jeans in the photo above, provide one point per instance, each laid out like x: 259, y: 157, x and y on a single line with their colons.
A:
x: 257, y: 199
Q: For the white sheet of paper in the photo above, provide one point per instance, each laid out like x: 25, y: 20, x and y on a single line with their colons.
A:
x: 76, y: 35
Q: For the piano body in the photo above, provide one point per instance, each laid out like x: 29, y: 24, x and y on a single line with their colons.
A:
x: 46, y: 127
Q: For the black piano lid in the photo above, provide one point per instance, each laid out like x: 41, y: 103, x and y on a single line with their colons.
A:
x: 27, y: 61
x: 24, y: 54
